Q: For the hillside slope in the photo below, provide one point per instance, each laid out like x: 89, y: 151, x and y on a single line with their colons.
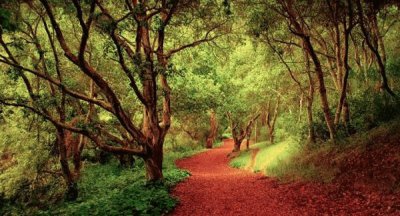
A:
x: 363, y: 170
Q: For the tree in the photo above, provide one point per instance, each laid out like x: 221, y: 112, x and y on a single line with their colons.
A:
x: 245, y: 89
x: 144, y: 64
x: 271, y: 119
x: 298, y: 28
x: 240, y: 132
x: 373, y: 39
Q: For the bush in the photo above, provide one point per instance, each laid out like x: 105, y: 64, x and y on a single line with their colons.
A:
x: 370, y: 109
x: 226, y: 135
x: 110, y: 190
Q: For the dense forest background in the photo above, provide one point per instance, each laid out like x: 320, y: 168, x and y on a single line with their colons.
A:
x: 99, y: 98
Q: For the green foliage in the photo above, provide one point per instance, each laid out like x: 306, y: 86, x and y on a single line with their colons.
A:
x: 6, y: 20
x: 226, y: 135
x: 110, y: 190
x: 195, y: 93
x: 14, y: 74
x: 380, y: 109
x: 24, y: 184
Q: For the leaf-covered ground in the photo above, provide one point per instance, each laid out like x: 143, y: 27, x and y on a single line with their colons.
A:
x: 217, y: 189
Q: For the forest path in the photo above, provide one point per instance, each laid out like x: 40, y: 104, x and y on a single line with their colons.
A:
x: 217, y: 189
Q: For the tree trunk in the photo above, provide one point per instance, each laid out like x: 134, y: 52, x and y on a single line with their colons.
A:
x: 379, y: 38
x: 213, y: 130
x: 374, y: 49
x: 72, y: 187
x: 301, y: 106
x: 310, y: 100
x: 271, y: 135
x: 322, y: 89
x: 248, y: 139
x: 343, y: 94
x: 339, y: 61
x: 151, y: 129
x: 311, y: 131
x: 271, y: 122
x: 357, y: 58
x: 153, y: 163
x: 237, y: 144
x: 77, y: 159
x: 154, y: 159
x: 346, y: 113
x: 77, y: 150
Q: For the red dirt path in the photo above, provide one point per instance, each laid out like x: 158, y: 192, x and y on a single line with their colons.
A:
x: 217, y: 189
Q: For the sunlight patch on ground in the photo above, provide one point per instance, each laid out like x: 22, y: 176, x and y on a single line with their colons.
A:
x: 269, y: 157
x: 272, y: 156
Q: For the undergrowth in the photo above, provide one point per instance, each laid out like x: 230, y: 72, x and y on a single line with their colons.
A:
x: 111, y: 190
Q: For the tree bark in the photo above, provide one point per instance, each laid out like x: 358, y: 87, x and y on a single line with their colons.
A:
x: 322, y: 89
x: 342, y: 103
x: 153, y: 163
x: 310, y: 100
x: 72, y: 186
x: 339, y: 57
x: 213, y: 130
x: 272, y: 120
x: 248, y: 136
x: 237, y: 143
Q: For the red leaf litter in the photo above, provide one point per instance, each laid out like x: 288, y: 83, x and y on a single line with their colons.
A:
x: 217, y: 189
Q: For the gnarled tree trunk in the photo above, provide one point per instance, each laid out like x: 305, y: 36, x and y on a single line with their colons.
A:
x: 154, y: 162
x: 72, y: 186
x: 238, y: 133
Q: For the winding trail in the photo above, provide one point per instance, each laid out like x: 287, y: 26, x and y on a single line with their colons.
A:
x: 217, y: 189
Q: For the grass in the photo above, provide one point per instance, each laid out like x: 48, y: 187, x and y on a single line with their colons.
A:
x: 268, y: 158
x: 242, y: 160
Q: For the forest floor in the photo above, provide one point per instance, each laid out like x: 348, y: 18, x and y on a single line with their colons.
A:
x: 215, y: 188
